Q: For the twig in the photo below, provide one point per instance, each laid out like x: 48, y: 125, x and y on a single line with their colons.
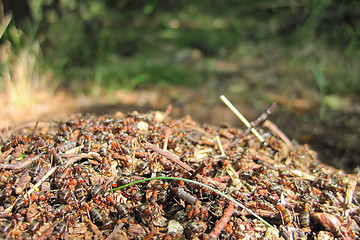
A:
x: 19, y: 166
x: 260, y: 119
x: 198, y: 170
x: 221, y: 224
x: 23, y: 182
x: 36, y: 186
x: 265, y: 115
x: 166, y: 139
x: 91, y: 155
x: 169, y: 155
x: 220, y: 145
x: 115, y: 231
x: 242, y: 118
x: 173, y: 157
x: 351, y: 185
x: 278, y: 133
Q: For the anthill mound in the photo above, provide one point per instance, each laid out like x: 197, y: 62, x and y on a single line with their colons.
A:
x: 60, y: 179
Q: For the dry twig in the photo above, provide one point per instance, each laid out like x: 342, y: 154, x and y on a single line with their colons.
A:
x: 115, y: 231
x: 177, y: 160
x: 19, y: 166
x: 90, y: 155
x: 275, y: 130
x: 221, y: 224
x: 166, y: 139
x: 351, y: 186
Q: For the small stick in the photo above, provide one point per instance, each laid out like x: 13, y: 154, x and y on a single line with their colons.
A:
x: 91, y: 155
x: 167, y: 134
x: 351, y: 185
x: 169, y: 155
x: 115, y: 231
x: 242, y: 118
x: 222, y: 223
x: 265, y: 115
x: 37, y: 185
x: 260, y: 119
x: 23, y: 182
x: 220, y: 145
x: 176, y: 159
x: 278, y: 133
x: 19, y: 166
x: 198, y: 170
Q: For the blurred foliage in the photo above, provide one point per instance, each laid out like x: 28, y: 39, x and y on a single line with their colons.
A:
x: 127, y: 44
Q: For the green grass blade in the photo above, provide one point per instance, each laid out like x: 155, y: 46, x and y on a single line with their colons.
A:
x: 200, y: 184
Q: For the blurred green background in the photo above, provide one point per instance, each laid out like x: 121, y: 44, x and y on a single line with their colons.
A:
x: 90, y: 45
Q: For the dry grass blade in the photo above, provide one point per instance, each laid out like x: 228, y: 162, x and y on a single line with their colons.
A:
x: 242, y: 118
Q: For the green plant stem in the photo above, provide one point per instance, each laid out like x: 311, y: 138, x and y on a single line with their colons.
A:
x: 201, y: 184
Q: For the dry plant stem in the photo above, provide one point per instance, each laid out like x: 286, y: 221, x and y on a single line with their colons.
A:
x: 23, y: 182
x: 264, y: 214
x: 264, y: 116
x: 115, y: 231
x: 278, y: 133
x: 231, y: 199
x: 351, y: 185
x: 242, y: 118
x: 91, y: 155
x: 177, y: 160
x: 260, y: 120
x: 20, y: 165
x: 222, y: 223
x: 166, y: 139
x: 37, y: 185
x: 220, y: 145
